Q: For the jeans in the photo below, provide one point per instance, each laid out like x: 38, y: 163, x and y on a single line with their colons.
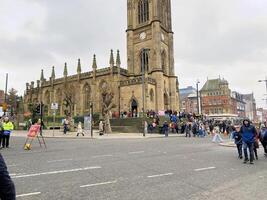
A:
x: 249, y: 146
x: 264, y: 144
x: 239, y: 150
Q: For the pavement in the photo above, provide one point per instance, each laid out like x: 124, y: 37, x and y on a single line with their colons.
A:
x: 130, y: 169
x: 73, y: 135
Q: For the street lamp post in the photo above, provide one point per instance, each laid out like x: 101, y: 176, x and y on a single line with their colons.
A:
x: 143, y: 62
x: 265, y: 80
x: 197, y: 98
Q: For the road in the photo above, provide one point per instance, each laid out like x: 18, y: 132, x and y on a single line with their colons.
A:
x: 133, y: 169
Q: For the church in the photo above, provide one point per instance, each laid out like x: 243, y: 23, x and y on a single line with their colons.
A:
x: 148, y: 83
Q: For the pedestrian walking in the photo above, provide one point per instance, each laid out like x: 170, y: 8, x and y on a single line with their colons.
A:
x: 7, y: 128
x: 165, y: 129
x: 65, y: 125
x: 263, y: 137
x: 7, y: 187
x: 188, y: 129
x: 249, y: 133
x: 238, y: 141
x: 217, y: 137
x: 80, y: 129
x: 101, y: 128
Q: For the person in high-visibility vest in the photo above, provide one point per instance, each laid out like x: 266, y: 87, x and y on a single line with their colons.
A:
x: 7, y: 128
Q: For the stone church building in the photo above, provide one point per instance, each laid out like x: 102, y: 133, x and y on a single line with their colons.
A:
x: 150, y: 70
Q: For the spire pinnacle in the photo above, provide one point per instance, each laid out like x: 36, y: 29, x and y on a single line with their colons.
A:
x: 65, y: 70
x: 79, y: 68
x: 94, y: 62
x: 42, y: 75
x: 118, y: 59
x: 111, y: 59
x: 53, y: 75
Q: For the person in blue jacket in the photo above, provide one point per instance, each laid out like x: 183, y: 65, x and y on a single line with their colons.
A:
x: 7, y: 188
x: 238, y: 141
x: 249, y: 134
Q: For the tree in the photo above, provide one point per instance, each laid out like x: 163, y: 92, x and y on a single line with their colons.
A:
x: 13, y: 100
x: 69, y: 99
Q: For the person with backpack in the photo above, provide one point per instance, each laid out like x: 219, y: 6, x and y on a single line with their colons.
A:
x: 238, y: 141
x: 249, y: 134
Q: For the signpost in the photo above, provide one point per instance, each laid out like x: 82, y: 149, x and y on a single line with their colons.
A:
x: 54, y: 107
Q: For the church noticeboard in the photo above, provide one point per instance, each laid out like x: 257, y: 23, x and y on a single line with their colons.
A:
x: 87, y: 123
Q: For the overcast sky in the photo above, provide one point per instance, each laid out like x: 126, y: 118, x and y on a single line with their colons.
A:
x: 212, y: 38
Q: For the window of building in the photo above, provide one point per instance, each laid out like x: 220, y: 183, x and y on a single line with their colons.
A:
x: 143, y: 11
x: 144, y: 59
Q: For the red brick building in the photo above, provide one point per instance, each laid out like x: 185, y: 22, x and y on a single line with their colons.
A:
x: 216, y: 97
x: 2, y: 97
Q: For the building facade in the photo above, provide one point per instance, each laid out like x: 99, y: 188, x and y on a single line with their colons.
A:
x: 2, y: 97
x: 188, y: 100
x: 238, y: 104
x: 250, y: 108
x: 216, y: 97
x: 150, y: 68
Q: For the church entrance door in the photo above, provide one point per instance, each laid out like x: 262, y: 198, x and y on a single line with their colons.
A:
x: 134, y: 107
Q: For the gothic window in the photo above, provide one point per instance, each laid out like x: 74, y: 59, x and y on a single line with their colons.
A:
x: 143, y: 11
x: 87, y: 96
x: 144, y: 59
x: 151, y: 94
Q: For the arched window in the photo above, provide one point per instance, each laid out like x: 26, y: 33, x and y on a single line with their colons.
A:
x: 143, y: 11
x: 151, y: 94
x: 144, y: 59
x: 87, y: 96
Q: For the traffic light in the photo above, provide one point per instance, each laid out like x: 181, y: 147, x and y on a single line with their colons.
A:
x: 4, y: 107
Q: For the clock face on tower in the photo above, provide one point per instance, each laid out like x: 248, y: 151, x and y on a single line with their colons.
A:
x: 142, y: 35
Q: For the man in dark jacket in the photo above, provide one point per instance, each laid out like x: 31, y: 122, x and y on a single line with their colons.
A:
x: 263, y: 137
x: 7, y: 188
x: 249, y: 133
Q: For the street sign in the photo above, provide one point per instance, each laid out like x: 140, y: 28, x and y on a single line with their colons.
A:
x: 54, y: 106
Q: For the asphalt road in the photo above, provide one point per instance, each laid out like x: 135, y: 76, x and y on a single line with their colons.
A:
x: 134, y: 169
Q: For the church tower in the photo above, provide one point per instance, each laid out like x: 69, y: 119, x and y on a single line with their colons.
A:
x: 150, y: 44
x: 150, y: 28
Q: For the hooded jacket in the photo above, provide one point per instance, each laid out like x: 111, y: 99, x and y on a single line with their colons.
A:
x: 248, y: 132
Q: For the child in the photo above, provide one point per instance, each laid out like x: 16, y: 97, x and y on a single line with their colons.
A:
x: 80, y: 129
x: 238, y: 141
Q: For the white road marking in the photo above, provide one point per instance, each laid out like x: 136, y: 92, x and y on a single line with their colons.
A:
x: 160, y: 175
x: 101, y: 156
x: 62, y: 160
x: 98, y: 184
x: 11, y: 165
x: 136, y: 152
x: 203, y: 169
x: 29, y: 194
x: 56, y: 172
